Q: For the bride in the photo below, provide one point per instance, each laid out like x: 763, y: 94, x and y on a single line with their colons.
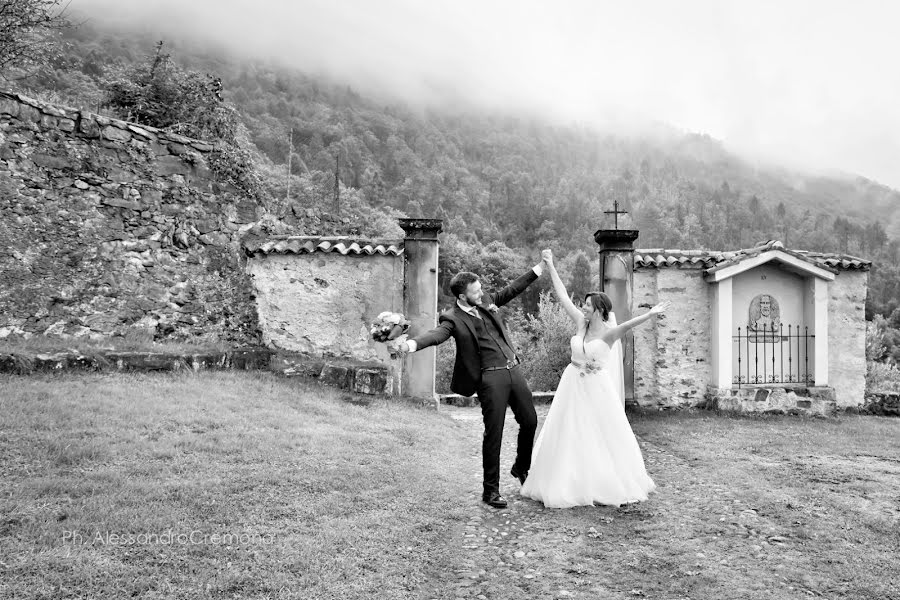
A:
x: 586, y: 452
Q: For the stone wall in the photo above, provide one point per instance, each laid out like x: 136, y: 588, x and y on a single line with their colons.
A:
x: 847, y: 337
x: 672, y: 366
x: 320, y: 303
x: 108, y: 228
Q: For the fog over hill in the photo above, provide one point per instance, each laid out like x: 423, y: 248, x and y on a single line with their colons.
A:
x: 767, y: 78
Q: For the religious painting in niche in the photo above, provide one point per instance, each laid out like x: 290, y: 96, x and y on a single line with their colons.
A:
x: 764, y: 324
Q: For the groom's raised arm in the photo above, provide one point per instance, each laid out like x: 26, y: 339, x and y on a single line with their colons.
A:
x: 517, y: 286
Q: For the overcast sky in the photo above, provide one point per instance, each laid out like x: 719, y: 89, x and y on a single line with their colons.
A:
x: 814, y: 84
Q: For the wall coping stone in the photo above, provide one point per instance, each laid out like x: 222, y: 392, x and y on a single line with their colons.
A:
x: 83, y: 117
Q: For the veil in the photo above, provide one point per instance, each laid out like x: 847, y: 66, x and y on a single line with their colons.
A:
x: 616, y: 361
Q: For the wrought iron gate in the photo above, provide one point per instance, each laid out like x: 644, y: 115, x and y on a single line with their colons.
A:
x: 770, y: 356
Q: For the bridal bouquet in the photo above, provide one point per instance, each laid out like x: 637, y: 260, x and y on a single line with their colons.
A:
x: 390, y: 328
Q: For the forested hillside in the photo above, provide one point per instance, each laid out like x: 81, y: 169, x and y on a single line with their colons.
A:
x: 505, y: 184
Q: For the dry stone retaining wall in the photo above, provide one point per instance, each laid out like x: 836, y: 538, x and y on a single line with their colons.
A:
x: 108, y: 228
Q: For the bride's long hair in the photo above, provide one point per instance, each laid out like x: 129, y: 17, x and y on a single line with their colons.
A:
x: 601, y: 303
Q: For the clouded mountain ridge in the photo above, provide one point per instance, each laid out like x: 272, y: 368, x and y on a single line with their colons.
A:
x: 515, y: 177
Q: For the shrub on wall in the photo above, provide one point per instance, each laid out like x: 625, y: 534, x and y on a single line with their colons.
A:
x: 161, y: 94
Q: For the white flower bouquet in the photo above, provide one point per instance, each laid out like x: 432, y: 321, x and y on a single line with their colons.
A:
x: 390, y: 328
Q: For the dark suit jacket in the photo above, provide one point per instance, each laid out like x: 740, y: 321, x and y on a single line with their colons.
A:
x: 456, y: 323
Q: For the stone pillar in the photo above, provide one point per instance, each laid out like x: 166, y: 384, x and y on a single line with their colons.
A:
x: 420, y: 293
x: 617, y: 281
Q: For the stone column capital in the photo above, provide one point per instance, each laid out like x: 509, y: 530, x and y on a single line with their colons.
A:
x: 616, y: 239
x: 422, y: 229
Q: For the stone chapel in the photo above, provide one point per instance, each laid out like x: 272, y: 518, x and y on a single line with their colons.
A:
x: 760, y: 329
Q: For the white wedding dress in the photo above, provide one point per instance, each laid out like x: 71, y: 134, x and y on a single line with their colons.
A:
x: 586, y: 452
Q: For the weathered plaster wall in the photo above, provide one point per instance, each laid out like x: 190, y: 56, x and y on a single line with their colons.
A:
x: 684, y: 336
x: 677, y: 346
x: 321, y: 303
x: 847, y: 333
x: 108, y: 228
x: 646, y: 349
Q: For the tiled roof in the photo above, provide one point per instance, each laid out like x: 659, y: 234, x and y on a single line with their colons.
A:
x: 714, y: 259
x: 309, y: 245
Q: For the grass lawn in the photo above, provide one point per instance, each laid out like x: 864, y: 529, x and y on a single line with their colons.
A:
x: 324, y: 498
x: 246, y: 485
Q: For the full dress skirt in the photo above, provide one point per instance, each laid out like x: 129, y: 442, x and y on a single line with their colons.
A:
x: 586, y: 452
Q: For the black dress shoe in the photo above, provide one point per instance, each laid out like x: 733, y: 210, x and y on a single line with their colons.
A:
x: 494, y: 499
x: 520, y: 475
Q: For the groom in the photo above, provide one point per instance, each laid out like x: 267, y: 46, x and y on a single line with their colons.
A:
x: 486, y: 363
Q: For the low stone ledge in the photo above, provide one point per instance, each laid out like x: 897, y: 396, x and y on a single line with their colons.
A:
x: 249, y: 359
x: 468, y: 401
x: 370, y: 379
x: 882, y: 404
x: 109, y: 360
x: 67, y: 362
x: 146, y: 361
x: 356, y: 377
x: 812, y: 401
x: 16, y: 364
x: 206, y: 361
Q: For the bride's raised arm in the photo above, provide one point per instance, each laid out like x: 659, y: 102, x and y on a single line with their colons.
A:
x: 560, y: 290
x: 617, y: 332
